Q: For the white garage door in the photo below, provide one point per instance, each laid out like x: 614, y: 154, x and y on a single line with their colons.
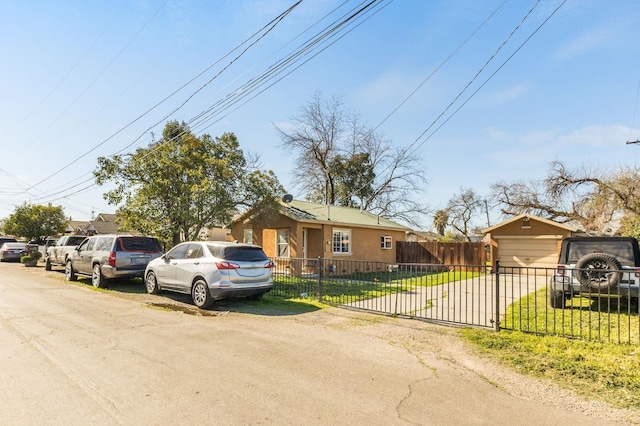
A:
x: 528, y: 252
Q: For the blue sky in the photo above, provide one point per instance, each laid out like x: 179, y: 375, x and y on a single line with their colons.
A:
x: 75, y: 74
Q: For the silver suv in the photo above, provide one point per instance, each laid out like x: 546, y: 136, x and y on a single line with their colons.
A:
x: 106, y: 257
x: 211, y: 270
x: 596, y: 267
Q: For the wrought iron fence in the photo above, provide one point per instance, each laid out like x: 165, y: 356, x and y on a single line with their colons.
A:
x: 492, y: 297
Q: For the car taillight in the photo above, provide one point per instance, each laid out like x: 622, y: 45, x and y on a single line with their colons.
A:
x: 560, y: 269
x: 269, y: 264
x: 637, y: 272
x: 112, y: 259
x: 227, y: 265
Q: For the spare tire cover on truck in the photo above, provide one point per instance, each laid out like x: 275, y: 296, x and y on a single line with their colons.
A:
x: 598, y: 271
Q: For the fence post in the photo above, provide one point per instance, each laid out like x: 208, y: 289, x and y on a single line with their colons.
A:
x: 320, y: 272
x: 496, y: 321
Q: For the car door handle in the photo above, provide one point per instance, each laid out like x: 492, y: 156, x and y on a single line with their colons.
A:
x: 196, y: 263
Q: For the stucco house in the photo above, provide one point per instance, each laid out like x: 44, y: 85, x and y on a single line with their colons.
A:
x: 310, y: 230
x: 526, y: 241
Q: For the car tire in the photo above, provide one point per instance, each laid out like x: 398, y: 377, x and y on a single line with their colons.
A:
x: 200, y: 294
x: 598, y: 271
x: 151, y: 282
x: 47, y: 264
x: 97, y: 279
x: 557, y: 299
x: 69, y: 273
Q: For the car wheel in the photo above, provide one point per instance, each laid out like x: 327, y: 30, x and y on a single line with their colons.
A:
x: 97, y: 279
x: 47, y: 264
x: 598, y: 271
x: 151, y: 281
x: 557, y: 299
x: 69, y: 273
x: 200, y: 294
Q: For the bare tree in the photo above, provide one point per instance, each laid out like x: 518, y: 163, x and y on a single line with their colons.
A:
x: 340, y: 161
x: 462, y: 209
x: 589, y: 198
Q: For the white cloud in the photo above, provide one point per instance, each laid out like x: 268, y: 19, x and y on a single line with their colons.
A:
x: 598, y: 136
x: 507, y: 95
x: 285, y: 126
x: 497, y: 134
x: 539, y: 137
x: 584, y: 43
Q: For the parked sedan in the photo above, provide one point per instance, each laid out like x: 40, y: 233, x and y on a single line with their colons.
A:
x: 211, y: 270
x: 12, y: 251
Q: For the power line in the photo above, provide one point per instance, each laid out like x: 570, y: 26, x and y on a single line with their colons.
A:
x: 252, y: 85
x: 148, y: 110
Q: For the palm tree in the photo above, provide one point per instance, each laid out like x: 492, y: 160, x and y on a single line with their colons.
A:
x: 441, y: 220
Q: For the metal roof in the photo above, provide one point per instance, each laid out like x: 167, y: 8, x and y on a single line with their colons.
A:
x: 305, y: 211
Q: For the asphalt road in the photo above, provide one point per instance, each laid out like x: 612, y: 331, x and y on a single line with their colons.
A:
x: 72, y: 355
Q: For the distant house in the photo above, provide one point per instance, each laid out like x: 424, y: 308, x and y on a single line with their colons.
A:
x: 104, y: 223
x: 422, y: 236
x: 310, y: 230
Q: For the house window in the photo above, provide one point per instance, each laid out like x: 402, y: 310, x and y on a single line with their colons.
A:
x: 341, y: 241
x: 385, y: 242
x: 248, y: 236
x: 283, y: 243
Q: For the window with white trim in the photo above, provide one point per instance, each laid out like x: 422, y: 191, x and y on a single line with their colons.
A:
x: 248, y: 236
x: 385, y: 242
x: 282, y: 242
x: 342, y: 241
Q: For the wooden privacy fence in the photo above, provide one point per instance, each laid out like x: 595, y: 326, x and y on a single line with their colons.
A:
x: 434, y: 252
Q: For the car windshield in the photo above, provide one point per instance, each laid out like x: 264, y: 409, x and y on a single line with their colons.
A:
x: 146, y: 244
x: 239, y: 253
x: 621, y: 250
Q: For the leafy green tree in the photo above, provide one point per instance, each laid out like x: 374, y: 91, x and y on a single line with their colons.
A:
x: 354, y: 177
x: 36, y: 222
x: 630, y: 226
x: 182, y: 183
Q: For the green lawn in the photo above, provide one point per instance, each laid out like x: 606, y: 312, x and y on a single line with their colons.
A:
x: 606, y: 320
x: 576, y: 347
x: 601, y: 371
x: 348, y: 288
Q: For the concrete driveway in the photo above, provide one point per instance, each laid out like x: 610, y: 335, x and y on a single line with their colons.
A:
x: 75, y: 356
x: 471, y: 301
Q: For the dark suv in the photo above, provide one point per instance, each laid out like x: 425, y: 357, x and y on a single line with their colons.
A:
x: 105, y: 257
x: 596, y: 267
